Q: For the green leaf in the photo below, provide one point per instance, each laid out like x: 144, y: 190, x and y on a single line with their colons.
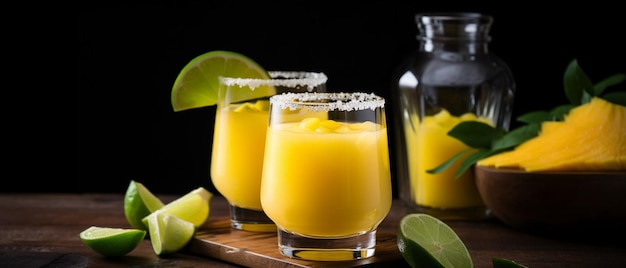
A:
x: 447, y: 164
x: 535, y: 117
x: 556, y: 114
x: 615, y: 79
x: 616, y: 98
x: 586, y: 97
x: 575, y: 82
x: 516, y: 136
x: 471, y: 160
x: 475, y: 134
x: 559, y: 112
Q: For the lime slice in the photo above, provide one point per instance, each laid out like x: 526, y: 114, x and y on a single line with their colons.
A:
x: 505, y: 263
x: 139, y: 202
x: 192, y: 207
x: 168, y: 233
x: 112, y: 242
x: 425, y: 241
x: 197, y: 84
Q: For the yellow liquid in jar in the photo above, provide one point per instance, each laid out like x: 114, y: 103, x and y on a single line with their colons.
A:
x: 430, y: 146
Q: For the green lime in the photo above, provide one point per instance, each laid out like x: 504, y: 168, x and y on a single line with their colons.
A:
x: 505, y: 263
x: 193, y: 207
x: 197, y: 85
x: 168, y: 233
x: 139, y: 202
x: 112, y: 242
x: 425, y: 241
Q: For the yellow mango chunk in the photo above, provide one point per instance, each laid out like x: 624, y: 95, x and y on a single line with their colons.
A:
x: 592, y: 137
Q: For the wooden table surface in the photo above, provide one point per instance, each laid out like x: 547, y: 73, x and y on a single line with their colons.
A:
x: 41, y: 230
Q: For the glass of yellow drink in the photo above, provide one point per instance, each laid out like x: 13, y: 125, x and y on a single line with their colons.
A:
x: 241, y: 122
x: 326, y: 177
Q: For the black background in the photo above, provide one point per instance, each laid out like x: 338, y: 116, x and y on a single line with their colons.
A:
x: 86, y: 95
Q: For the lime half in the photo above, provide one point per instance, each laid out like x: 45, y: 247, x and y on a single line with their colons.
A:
x: 425, y: 241
x: 197, y: 85
x: 112, y: 242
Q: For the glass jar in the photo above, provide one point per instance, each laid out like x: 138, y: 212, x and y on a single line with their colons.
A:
x: 451, y: 77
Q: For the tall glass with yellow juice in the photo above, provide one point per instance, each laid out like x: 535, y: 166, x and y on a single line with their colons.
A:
x: 241, y: 122
x: 325, y: 179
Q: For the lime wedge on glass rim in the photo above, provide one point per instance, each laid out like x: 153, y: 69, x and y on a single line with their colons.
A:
x: 112, y: 242
x: 197, y: 84
x: 425, y: 241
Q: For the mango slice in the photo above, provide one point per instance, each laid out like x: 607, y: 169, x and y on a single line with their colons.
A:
x: 592, y: 137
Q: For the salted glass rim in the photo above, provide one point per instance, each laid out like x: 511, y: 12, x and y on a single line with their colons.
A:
x: 290, y: 79
x: 328, y: 101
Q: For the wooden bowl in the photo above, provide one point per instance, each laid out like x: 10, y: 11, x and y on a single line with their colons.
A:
x: 562, y: 202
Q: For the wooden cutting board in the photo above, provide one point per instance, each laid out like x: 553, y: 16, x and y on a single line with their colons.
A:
x: 218, y: 240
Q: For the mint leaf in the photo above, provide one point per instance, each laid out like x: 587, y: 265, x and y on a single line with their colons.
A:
x: 516, y: 136
x: 616, y: 98
x: 535, y: 117
x: 447, y: 164
x: 575, y: 82
x: 471, y: 160
x: 475, y: 134
x: 559, y: 112
x: 599, y: 87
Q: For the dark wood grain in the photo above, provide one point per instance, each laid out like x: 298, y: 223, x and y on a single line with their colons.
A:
x: 39, y: 230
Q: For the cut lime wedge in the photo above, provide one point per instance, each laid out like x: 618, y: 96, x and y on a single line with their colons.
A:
x: 168, y: 233
x: 112, y: 242
x: 197, y: 85
x: 193, y: 207
x: 425, y: 241
x: 139, y: 202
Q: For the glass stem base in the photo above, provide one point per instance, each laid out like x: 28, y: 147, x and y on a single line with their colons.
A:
x: 250, y: 220
x: 327, y: 249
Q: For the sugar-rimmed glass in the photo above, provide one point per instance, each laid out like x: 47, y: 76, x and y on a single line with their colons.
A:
x: 239, y: 138
x: 326, y: 178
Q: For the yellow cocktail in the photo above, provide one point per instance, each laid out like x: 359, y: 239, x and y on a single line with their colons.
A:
x: 326, y: 177
x: 241, y: 122
x: 237, y: 157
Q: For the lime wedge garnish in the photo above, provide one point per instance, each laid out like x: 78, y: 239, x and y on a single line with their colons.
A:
x: 168, y: 233
x: 425, y: 241
x: 197, y: 84
x: 139, y: 202
x: 112, y: 242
